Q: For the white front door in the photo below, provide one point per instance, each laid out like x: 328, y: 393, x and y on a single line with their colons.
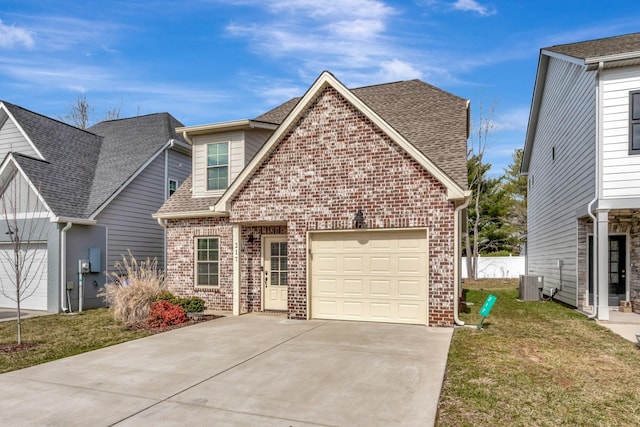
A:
x: 274, y: 279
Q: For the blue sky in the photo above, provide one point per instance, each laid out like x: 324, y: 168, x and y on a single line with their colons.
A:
x: 208, y: 61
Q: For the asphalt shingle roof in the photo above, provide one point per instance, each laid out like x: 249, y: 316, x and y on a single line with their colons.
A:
x: 83, y: 168
x: 600, y: 47
x: 433, y: 120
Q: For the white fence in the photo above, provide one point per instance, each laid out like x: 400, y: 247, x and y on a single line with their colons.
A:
x: 497, y: 267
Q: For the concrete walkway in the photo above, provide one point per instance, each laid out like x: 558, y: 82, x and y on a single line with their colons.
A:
x: 248, y: 370
x: 627, y: 325
x: 8, y: 314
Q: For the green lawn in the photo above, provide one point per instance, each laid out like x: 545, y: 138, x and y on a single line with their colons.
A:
x: 60, y: 335
x: 537, y: 364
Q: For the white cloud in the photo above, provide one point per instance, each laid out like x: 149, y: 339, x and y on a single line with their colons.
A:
x: 473, y: 6
x: 515, y: 119
x: 351, y: 38
x: 395, y: 70
x: 11, y: 36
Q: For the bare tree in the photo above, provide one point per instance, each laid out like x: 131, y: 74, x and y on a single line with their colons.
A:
x: 477, y: 176
x: 82, y: 113
x: 24, y: 229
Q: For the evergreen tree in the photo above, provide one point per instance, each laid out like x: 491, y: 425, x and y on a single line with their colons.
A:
x: 515, y: 186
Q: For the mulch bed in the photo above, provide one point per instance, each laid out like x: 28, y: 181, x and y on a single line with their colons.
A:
x: 204, y: 318
x: 15, y: 348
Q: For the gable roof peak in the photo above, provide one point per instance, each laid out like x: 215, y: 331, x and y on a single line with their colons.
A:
x: 603, y: 49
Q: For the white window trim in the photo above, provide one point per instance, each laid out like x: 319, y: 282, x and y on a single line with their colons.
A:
x: 196, y: 262
x: 206, y: 168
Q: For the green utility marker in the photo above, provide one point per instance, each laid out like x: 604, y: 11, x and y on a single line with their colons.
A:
x: 486, y: 308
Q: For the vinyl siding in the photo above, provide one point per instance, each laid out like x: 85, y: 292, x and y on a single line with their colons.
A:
x: 128, y: 217
x: 620, y: 171
x: 179, y: 167
x: 254, y: 140
x: 558, y: 188
x: 236, y: 159
x: 11, y: 139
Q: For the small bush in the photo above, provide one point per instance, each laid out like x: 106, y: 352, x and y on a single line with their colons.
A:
x: 192, y: 305
x: 132, y: 290
x: 166, y: 295
x: 163, y: 314
x: 189, y: 305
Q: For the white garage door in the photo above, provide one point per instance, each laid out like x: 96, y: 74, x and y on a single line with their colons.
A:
x: 377, y: 276
x: 37, y: 276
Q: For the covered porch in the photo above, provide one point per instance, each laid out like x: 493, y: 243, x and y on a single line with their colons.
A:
x: 609, y: 261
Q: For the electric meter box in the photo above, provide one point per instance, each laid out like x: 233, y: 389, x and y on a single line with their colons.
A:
x: 94, y: 260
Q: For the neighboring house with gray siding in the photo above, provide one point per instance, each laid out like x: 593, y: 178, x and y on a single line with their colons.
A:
x: 91, y: 192
x: 582, y: 159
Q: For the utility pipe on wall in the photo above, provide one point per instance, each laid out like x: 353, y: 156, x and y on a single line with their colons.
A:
x: 457, y: 282
x: 63, y: 269
x: 594, y: 220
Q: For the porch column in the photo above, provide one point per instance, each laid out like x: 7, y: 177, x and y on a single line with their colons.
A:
x: 236, y: 268
x: 603, y: 264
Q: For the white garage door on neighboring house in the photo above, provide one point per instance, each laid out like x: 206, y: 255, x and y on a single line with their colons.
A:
x: 376, y: 276
x: 37, y: 275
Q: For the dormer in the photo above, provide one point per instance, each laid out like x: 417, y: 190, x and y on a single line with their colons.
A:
x: 221, y: 151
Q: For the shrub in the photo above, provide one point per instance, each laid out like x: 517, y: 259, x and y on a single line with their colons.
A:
x: 189, y: 305
x: 132, y: 289
x: 163, y: 314
x: 192, y: 305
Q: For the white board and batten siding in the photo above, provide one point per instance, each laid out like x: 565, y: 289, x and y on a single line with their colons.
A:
x: 243, y: 145
x: 199, y: 166
x: 620, y: 171
x: 11, y: 139
x: 561, y: 174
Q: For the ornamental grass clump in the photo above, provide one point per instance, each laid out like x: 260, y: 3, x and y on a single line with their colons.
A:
x: 132, y: 289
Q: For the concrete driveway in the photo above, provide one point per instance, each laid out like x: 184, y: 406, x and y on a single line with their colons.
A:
x: 248, y: 370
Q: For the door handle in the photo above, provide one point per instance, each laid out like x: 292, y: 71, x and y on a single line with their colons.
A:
x: 266, y: 279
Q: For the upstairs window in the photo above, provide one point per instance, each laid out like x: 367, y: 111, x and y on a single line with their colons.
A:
x: 173, y: 186
x: 634, y: 122
x: 217, y: 166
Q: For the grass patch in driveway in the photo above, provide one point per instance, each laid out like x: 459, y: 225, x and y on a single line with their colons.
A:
x: 52, y: 337
x: 537, y: 364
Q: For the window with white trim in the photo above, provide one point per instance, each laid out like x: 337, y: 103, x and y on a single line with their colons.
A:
x: 207, y: 261
x: 634, y: 122
x: 217, y: 166
x: 173, y: 186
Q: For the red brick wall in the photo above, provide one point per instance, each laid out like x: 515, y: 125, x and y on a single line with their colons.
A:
x: 181, y: 235
x: 334, y: 162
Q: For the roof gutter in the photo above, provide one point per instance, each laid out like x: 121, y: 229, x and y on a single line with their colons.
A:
x: 191, y: 214
x: 78, y: 221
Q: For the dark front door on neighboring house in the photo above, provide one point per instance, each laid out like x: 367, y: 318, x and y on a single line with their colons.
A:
x: 617, y: 269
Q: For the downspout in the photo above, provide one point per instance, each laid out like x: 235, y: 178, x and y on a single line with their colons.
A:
x: 594, y: 220
x: 63, y: 269
x: 162, y: 222
x: 457, y: 281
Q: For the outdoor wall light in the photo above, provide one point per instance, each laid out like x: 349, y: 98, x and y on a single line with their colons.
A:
x: 250, y: 239
x: 358, y: 220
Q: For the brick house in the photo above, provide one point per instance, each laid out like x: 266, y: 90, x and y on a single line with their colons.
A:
x: 341, y: 204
